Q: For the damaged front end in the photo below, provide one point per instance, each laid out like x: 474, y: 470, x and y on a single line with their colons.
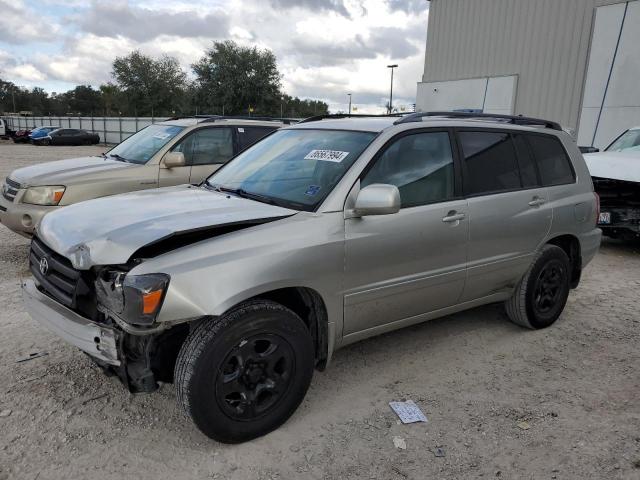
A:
x: 107, y: 313
x: 619, y: 207
x: 111, y: 302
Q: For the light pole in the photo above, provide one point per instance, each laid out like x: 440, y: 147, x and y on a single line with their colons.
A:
x: 391, y: 92
x: 349, y: 103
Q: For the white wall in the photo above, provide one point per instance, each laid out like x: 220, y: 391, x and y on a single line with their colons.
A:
x: 489, y: 94
x: 607, y: 110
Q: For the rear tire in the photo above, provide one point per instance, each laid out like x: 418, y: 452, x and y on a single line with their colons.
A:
x: 243, y: 375
x: 541, y: 295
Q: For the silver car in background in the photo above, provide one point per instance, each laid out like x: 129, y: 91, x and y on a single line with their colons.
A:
x: 322, y: 234
x: 184, y: 150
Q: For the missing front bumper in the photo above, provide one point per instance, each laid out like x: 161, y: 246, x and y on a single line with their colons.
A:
x: 97, y: 340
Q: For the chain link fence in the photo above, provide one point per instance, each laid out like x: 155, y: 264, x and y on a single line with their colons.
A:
x: 110, y: 129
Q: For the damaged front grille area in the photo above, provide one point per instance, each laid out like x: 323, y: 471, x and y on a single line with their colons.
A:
x: 10, y: 189
x: 54, y: 273
x: 617, y: 193
x: 56, y: 277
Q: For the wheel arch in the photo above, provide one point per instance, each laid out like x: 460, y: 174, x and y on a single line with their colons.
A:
x: 309, y: 305
x: 571, y: 246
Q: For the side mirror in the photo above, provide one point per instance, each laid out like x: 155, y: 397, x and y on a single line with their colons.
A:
x: 174, y: 159
x: 377, y: 199
x: 589, y: 149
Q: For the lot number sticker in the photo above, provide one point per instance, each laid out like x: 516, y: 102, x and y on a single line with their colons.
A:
x: 327, y: 155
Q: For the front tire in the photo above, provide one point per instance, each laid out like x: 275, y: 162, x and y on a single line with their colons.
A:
x: 243, y: 375
x: 541, y: 295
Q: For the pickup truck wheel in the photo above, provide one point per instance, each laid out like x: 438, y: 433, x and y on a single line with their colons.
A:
x: 243, y: 375
x: 541, y: 295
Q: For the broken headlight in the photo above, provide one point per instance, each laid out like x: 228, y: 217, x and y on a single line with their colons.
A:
x: 136, y: 299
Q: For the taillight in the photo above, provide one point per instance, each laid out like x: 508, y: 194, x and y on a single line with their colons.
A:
x: 597, y: 207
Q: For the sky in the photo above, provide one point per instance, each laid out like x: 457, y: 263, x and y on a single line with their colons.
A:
x: 325, y: 48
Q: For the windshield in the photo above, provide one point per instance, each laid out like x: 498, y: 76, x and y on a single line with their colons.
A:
x: 293, y: 168
x: 140, y: 147
x: 629, y: 140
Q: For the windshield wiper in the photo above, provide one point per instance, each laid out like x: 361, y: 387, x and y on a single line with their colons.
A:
x: 244, y: 194
x: 118, y: 157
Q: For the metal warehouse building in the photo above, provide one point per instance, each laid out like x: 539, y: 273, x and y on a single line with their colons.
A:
x: 573, y: 61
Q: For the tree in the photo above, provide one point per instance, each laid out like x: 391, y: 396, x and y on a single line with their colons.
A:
x: 152, y: 87
x: 84, y: 99
x: 297, y: 108
x: 111, y: 98
x: 233, y: 79
x: 7, y: 96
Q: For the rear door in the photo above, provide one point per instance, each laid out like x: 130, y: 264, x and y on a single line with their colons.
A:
x: 406, y: 264
x: 509, y: 212
x: 247, y: 136
x: 212, y: 147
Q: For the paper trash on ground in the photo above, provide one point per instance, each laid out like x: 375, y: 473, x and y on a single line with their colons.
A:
x: 408, y: 411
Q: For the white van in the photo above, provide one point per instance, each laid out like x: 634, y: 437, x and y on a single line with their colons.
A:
x: 4, y: 129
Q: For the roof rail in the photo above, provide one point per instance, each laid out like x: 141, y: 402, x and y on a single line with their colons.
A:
x: 315, y: 118
x: 213, y: 118
x: 513, y: 119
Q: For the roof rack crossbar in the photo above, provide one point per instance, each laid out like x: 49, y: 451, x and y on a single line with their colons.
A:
x: 213, y: 118
x: 315, y: 118
x: 513, y: 119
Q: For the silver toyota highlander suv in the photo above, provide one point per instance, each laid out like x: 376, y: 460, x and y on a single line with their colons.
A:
x: 320, y: 235
x: 181, y: 150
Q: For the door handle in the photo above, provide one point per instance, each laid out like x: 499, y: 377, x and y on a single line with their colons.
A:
x: 453, y: 216
x: 536, y: 202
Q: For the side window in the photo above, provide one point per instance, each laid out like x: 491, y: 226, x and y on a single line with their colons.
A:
x: 553, y: 163
x: 528, y: 169
x: 212, y: 145
x: 420, y: 165
x: 247, y: 136
x: 490, y: 160
x: 186, y: 147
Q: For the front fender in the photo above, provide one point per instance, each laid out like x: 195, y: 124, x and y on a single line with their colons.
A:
x: 211, y: 276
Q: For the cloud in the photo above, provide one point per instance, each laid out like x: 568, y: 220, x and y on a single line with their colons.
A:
x: 336, y: 6
x: 113, y: 19
x: 408, y: 6
x: 20, y: 24
x: 26, y: 72
x: 325, y: 48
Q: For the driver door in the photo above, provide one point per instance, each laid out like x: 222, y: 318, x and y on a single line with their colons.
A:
x: 212, y: 147
x: 413, y: 262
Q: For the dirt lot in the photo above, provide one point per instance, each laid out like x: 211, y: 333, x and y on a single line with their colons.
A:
x: 475, y: 375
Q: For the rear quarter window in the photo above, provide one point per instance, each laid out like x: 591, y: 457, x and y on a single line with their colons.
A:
x: 553, y: 162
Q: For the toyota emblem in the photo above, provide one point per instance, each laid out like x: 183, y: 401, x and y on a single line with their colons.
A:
x: 44, y: 266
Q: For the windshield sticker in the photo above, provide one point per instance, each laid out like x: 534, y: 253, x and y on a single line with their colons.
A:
x: 241, y: 130
x: 327, y: 155
x: 312, y: 190
x: 162, y: 136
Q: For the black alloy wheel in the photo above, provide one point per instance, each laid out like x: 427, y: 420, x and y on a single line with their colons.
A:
x: 548, y: 287
x: 255, y: 375
x: 243, y: 374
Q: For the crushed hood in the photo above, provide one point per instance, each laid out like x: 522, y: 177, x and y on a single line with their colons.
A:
x: 109, y: 230
x: 66, y: 172
x: 615, y: 165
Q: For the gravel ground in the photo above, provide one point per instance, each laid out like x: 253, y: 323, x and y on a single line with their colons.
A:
x: 476, y: 376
